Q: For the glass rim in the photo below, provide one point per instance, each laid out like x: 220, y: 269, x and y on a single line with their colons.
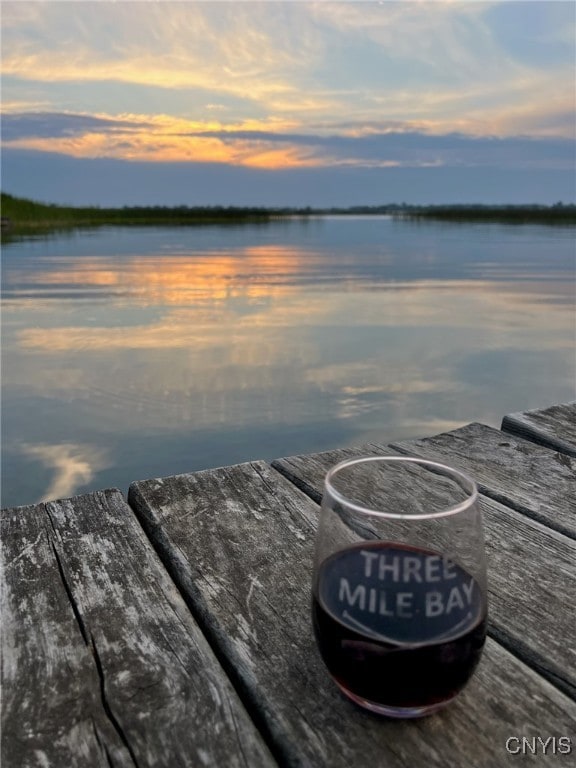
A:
x: 462, y: 478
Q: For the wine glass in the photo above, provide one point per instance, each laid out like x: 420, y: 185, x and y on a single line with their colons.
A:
x: 399, y: 597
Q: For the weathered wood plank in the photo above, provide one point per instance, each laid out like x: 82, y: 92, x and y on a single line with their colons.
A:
x: 554, y: 427
x: 238, y: 541
x: 532, y: 573
x: 530, y: 478
x: 532, y: 581
x: 307, y: 471
x: 103, y: 664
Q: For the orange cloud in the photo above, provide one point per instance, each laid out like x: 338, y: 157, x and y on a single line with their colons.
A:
x: 291, y: 60
x: 166, y: 139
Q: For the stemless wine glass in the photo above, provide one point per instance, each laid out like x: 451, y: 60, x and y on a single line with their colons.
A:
x: 399, y: 593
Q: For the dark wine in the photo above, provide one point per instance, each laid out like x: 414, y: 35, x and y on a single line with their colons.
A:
x: 398, y: 626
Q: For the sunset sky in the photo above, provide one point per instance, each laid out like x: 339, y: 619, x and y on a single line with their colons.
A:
x: 289, y: 103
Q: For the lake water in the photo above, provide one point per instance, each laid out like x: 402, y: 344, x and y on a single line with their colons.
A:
x: 131, y: 353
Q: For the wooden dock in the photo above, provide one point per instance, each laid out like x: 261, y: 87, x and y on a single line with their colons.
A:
x: 174, y: 629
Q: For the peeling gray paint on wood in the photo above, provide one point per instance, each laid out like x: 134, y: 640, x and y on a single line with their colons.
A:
x: 103, y: 664
x: 554, y: 427
x: 534, y: 480
x: 238, y: 541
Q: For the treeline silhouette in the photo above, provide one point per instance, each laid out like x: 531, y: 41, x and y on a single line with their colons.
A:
x: 21, y: 211
x: 23, y: 214
x: 508, y: 214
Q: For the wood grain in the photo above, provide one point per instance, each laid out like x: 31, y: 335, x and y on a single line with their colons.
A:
x: 532, y: 586
x: 103, y: 665
x: 238, y: 542
x: 308, y: 471
x: 537, y: 481
x: 554, y: 427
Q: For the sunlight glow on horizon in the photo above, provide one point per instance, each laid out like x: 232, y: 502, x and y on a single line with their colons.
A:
x: 184, y: 83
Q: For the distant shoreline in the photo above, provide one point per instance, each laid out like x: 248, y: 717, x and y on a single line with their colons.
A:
x: 506, y: 214
x: 20, y: 216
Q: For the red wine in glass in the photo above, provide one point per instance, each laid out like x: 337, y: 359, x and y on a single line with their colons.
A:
x: 398, y: 626
x: 399, y: 596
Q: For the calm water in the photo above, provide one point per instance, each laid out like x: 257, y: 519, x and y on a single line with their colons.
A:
x: 135, y: 353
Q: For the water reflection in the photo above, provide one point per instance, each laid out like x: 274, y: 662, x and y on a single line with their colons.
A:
x: 148, y: 352
x: 72, y: 466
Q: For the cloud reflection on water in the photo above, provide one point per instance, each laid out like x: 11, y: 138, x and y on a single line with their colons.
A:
x: 72, y: 466
x: 376, y: 343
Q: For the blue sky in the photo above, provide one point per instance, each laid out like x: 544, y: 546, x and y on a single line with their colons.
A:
x: 289, y: 103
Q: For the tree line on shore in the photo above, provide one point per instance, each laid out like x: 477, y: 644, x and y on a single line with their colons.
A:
x: 23, y: 214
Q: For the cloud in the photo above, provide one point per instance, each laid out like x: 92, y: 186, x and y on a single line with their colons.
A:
x: 418, y: 149
x: 58, y: 178
x: 159, y: 138
x: 272, y: 145
x: 49, y: 125
x: 456, y: 66
x: 227, y: 47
